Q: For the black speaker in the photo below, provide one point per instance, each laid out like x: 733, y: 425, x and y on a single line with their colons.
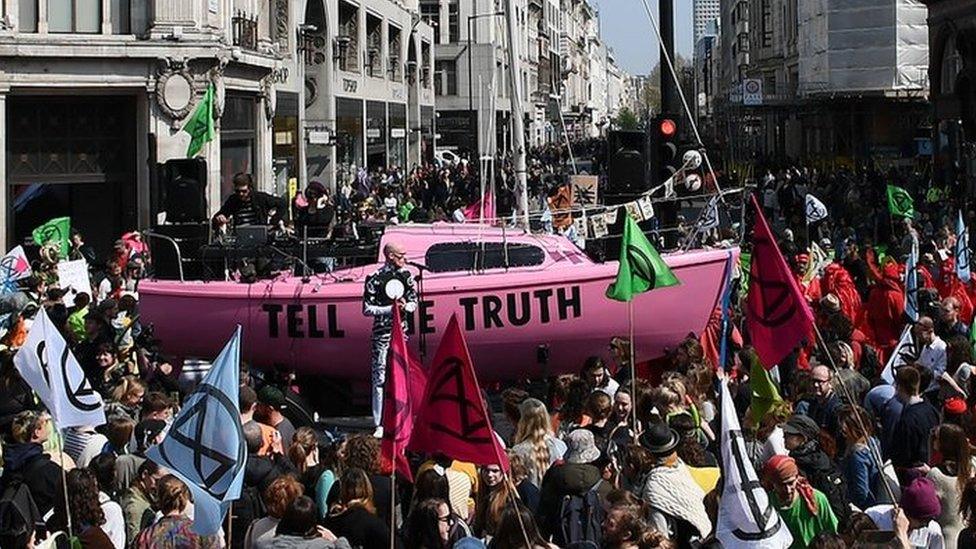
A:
x: 183, y: 190
x: 627, y: 164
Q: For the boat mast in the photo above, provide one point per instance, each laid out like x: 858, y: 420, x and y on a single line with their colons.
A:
x: 518, y: 123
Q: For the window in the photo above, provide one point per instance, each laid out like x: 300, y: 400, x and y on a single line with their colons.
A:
x: 430, y: 11
x: 453, y: 22
x: 394, y: 66
x: 470, y: 256
x: 74, y: 16
x: 766, y: 34
x: 27, y: 15
x: 348, y: 37
x: 374, y: 46
x: 446, y: 81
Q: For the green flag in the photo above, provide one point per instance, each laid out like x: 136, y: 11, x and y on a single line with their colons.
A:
x: 900, y: 203
x: 764, y: 391
x: 57, y: 230
x: 201, y: 124
x: 641, y: 267
x: 972, y: 334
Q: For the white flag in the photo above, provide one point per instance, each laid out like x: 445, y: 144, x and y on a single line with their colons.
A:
x: 816, y: 210
x: 746, y: 517
x: 906, y: 352
x: 51, y: 370
x: 14, y: 266
x: 710, y: 216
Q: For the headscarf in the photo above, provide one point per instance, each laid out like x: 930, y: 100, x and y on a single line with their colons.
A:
x: 780, y: 468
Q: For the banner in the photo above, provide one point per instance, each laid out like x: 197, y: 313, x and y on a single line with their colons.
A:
x: 561, y: 204
x: 900, y: 203
x: 778, y: 317
x: 961, y: 250
x: 710, y: 217
x: 13, y: 267
x: 205, y: 447
x: 906, y: 352
x: 911, y: 284
x: 57, y: 230
x: 816, y: 210
x: 48, y: 366
x: 399, y: 406
x: 585, y: 190
x: 453, y: 419
x: 641, y: 268
x: 746, y: 518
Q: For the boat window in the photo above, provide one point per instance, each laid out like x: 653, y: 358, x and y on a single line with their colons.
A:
x: 470, y: 256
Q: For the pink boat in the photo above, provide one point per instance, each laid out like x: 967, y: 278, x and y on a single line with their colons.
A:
x: 550, y: 295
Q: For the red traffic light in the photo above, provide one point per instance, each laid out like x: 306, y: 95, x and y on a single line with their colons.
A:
x: 668, y: 127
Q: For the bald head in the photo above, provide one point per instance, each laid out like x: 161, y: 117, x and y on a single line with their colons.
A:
x: 395, y: 254
x: 925, y: 330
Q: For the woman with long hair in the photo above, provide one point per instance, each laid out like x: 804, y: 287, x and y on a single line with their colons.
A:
x: 429, y: 525
x: 510, y: 535
x: 315, y: 464
x: 493, y: 497
x: 967, y: 509
x: 951, y: 477
x: 354, y: 516
x: 87, y: 516
x: 174, y: 529
x: 126, y: 399
x: 625, y: 528
x: 535, y: 442
x: 859, y: 467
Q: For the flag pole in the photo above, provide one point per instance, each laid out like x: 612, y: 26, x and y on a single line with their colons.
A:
x: 513, y: 497
x: 393, y: 502
x: 633, y: 368
x: 230, y: 523
x: 857, y: 416
x: 64, y: 484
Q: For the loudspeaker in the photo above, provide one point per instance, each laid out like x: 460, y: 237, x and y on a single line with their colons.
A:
x: 183, y: 190
x: 627, y: 164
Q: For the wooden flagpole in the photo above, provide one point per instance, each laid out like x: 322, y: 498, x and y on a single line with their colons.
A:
x: 514, y: 498
x: 633, y: 370
x: 230, y: 524
x: 64, y: 483
x: 393, y: 501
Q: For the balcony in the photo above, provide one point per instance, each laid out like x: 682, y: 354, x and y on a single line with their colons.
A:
x: 245, y: 30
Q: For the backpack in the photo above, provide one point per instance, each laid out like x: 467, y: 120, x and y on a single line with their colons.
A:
x: 581, y: 520
x: 833, y: 485
x: 19, y: 516
x: 247, y: 509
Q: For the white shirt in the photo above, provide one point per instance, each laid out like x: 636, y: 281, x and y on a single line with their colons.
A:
x: 933, y: 357
x: 775, y: 445
x: 114, y: 526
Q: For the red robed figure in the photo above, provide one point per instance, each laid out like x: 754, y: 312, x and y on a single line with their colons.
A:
x: 777, y: 315
x: 401, y: 399
x: 453, y: 419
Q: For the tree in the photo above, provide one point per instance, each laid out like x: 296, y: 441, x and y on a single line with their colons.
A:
x: 625, y: 120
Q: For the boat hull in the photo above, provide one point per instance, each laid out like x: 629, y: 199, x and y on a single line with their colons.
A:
x: 318, y: 327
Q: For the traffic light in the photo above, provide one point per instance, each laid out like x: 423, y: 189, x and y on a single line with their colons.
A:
x: 668, y: 162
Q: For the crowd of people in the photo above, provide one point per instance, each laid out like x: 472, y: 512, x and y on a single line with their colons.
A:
x: 846, y: 458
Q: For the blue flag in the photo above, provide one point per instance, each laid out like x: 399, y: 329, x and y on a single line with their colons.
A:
x: 205, y: 447
x: 726, y: 304
x: 961, y: 250
x: 911, y: 284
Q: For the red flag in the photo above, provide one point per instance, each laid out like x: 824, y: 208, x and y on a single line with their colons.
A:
x: 777, y: 315
x: 453, y: 420
x: 473, y: 212
x: 399, y: 402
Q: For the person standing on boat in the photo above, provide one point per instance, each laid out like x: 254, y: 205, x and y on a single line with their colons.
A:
x: 247, y: 206
x: 391, y: 285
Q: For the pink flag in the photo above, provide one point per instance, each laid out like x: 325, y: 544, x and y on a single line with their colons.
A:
x: 453, y: 420
x: 399, y: 401
x: 777, y: 315
x: 473, y: 212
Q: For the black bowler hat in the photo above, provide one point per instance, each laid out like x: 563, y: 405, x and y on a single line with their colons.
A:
x: 659, y: 439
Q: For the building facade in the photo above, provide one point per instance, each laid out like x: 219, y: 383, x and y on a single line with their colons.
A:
x: 94, y: 94
x: 703, y: 13
x: 825, y: 82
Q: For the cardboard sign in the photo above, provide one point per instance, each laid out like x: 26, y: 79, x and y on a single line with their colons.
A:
x: 585, y: 189
x: 73, y: 276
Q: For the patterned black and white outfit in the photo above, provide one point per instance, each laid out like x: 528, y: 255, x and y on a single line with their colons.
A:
x: 377, y: 304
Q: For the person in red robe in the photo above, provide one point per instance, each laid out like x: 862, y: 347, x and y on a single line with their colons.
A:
x: 886, y: 308
x: 837, y: 281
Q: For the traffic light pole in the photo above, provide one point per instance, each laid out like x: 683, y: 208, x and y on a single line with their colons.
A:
x: 670, y: 101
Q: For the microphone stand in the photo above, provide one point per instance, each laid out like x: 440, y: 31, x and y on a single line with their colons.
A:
x: 420, y: 304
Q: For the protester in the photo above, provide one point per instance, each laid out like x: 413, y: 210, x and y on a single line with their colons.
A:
x: 805, y: 509
x: 354, y: 516
x: 173, y: 530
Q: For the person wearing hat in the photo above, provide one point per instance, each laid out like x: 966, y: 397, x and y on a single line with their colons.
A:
x: 804, y: 509
x: 271, y: 401
x: 675, y: 501
x: 802, y: 437
x: 578, y: 474
x: 921, y: 505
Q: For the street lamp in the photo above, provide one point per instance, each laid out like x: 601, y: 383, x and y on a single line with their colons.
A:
x: 470, y: 74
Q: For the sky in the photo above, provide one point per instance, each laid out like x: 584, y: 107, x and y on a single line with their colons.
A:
x: 627, y: 30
